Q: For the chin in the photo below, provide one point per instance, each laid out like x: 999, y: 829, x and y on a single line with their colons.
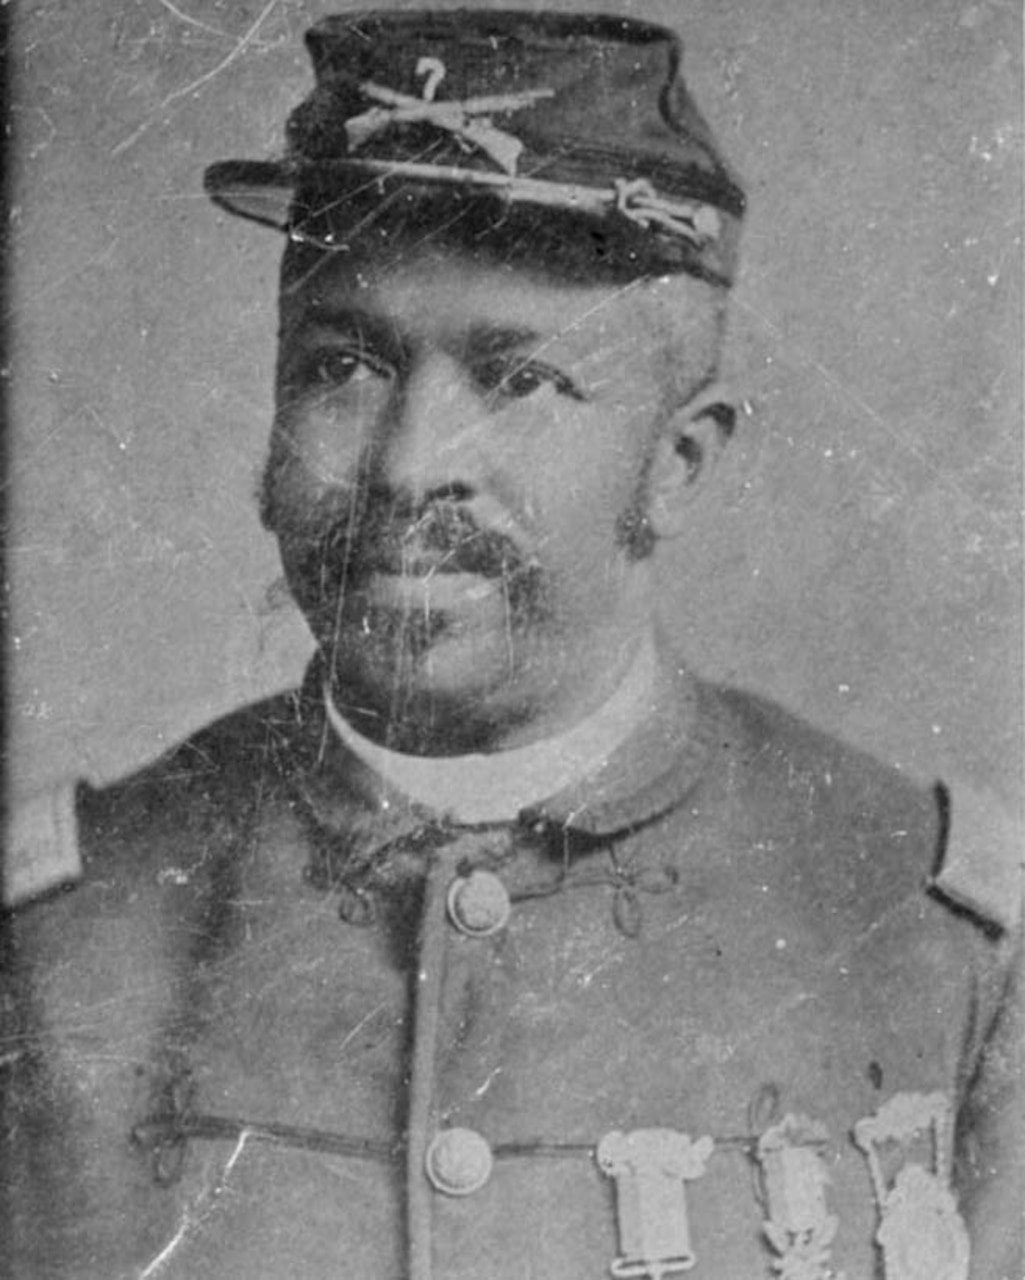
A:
x: 448, y: 694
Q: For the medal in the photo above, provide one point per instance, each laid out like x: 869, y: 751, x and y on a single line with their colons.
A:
x: 793, y: 1178
x: 650, y: 1168
x: 921, y: 1233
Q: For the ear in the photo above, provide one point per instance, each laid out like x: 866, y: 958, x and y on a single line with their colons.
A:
x: 685, y: 457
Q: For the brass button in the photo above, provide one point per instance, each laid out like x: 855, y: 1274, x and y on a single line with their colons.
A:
x: 458, y: 1162
x: 478, y: 904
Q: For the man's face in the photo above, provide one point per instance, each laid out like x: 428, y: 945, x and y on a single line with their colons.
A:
x: 458, y: 456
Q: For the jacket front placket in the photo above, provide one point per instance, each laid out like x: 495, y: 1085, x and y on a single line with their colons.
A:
x: 459, y: 898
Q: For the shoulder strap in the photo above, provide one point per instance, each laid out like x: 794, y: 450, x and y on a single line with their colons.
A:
x: 41, y: 844
x: 981, y: 856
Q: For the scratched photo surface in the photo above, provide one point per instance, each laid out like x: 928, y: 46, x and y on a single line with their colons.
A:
x: 855, y: 557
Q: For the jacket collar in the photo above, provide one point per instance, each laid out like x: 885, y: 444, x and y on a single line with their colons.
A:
x: 647, y: 775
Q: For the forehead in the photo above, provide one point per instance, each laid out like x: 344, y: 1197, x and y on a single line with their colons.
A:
x: 447, y: 296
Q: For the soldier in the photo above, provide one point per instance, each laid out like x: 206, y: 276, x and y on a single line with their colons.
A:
x: 504, y: 947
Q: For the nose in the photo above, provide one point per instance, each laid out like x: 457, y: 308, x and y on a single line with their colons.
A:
x: 432, y: 439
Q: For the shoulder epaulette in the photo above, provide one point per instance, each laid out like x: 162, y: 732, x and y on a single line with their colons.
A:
x: 41, y: 845
x: 981, y: 862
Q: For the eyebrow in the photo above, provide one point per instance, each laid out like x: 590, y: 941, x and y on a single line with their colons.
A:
x: 480, y: 339
x: 344, y: 319
x: 490, y: 340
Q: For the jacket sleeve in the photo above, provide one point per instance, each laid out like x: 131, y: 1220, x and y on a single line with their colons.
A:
x: 980, y: 874
x: 83, y: 988
x: 991, y: 1156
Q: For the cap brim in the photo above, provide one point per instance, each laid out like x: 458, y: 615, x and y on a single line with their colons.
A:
x: 261, y: 190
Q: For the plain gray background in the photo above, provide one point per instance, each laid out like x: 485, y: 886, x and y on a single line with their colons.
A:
x: 860, y: 561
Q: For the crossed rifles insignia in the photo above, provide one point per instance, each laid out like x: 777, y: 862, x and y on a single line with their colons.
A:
x: 469, y: 121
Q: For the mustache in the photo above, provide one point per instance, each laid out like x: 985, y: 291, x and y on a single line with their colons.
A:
x: 398, y: 537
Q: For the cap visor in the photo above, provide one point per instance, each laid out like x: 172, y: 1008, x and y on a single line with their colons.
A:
x: 256, y: 189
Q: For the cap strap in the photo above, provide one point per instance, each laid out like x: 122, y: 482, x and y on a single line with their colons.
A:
x: 636, y: 200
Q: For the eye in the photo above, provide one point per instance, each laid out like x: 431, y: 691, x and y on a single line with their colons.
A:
x: 343, y: 367
x: 516, y: 378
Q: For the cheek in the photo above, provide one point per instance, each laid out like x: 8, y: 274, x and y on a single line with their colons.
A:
x: 308, y: 482
x: 323, y: 440
x: 584, y: 480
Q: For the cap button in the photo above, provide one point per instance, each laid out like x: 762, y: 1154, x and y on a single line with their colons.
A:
x: 478, y: 904
x: 458, y: 1162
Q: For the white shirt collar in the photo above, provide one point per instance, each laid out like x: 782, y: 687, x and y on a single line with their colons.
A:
x: 497, y: 787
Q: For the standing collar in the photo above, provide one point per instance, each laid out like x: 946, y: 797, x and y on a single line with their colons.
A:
x: 653, y: 770
x: 650, y: 771
x: 498, y: 786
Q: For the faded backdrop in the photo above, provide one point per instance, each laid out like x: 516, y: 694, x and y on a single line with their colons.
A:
x: 860, y: 560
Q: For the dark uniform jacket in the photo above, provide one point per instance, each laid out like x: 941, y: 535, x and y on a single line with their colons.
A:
x: 709, y: 1011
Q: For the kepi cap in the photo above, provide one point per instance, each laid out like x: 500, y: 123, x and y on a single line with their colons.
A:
x: 553, y: 119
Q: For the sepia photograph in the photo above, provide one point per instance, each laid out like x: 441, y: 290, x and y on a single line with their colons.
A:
x: 514, y: 731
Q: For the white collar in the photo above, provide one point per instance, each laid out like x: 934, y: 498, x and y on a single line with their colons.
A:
x: 497, y: 787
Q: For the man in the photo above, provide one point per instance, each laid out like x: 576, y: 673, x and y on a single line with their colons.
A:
x: 504, y: 947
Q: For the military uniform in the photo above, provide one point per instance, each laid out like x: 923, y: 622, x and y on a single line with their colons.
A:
x: 709, y: 1009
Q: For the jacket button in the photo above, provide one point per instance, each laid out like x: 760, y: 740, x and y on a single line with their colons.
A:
x: 458, y: 1162
x: 478, y: 904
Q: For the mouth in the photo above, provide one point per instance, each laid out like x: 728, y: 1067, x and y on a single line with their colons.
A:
x: 481, y: 555
x: 442, y: 589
